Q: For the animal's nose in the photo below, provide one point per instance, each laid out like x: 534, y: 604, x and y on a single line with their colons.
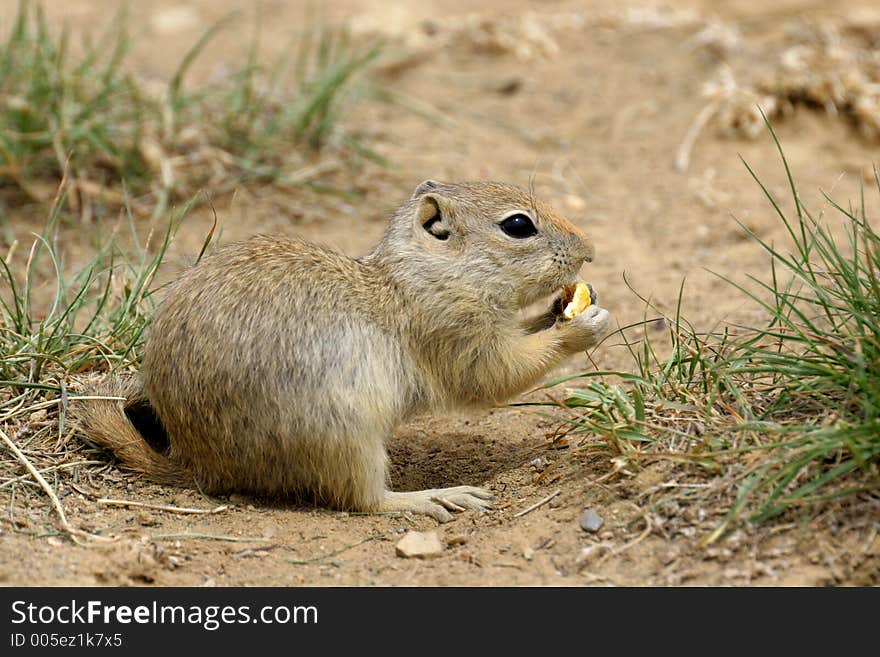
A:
x: 581, y: 246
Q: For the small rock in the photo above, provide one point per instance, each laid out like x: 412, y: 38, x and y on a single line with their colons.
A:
x: 509, y: 87
x: 528, y: 553
x: 591, y: 521
x: 423, y: 545
x: 539, y: 463
x: 430, y: 27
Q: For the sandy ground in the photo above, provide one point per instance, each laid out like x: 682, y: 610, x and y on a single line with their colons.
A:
x: 592, y: 111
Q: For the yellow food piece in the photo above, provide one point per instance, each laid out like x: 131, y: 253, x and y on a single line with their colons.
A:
x: 580, y: 300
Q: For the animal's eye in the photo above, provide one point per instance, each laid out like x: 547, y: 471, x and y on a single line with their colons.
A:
x: 518, y: 226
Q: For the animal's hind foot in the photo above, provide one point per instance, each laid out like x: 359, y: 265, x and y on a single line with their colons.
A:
x: 438, y: 502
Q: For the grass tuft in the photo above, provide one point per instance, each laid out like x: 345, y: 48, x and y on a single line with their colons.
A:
x: 87, y: 114
x: 56, y: 106
x: 93, y: 320
x: 789, y: 409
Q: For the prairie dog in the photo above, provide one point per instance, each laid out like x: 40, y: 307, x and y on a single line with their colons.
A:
x: 279, y: 367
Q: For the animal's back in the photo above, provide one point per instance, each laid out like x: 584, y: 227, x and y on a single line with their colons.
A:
x: 251, y: 355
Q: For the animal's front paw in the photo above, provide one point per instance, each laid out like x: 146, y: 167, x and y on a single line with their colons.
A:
x: 584, y: 330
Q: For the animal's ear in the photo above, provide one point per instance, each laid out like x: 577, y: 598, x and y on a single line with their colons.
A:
x: 424, y: 187
x: 433, y: 218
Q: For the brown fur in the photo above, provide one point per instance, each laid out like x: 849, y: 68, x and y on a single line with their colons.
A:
x: 277, y: 366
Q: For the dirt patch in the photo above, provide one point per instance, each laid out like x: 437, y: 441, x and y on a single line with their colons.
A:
x: 592, y: 105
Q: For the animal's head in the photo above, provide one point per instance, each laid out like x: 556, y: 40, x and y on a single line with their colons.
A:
x: 491, y: 237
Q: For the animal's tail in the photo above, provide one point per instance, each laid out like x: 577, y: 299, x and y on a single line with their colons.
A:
x: 126, y: 424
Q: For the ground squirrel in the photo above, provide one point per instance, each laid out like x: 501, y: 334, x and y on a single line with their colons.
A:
x: 279, y: 367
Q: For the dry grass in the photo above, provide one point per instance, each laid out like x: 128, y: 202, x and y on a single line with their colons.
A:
x: 831, y: 67
x: 124, y: 142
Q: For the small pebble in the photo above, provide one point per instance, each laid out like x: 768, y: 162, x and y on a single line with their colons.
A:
x: 422, y: 545
x: 510, y: 86
x: 591, y: 521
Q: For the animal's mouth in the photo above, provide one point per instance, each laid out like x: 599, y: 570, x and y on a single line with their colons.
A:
x: 567, y: 281
x: 551, y: 289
